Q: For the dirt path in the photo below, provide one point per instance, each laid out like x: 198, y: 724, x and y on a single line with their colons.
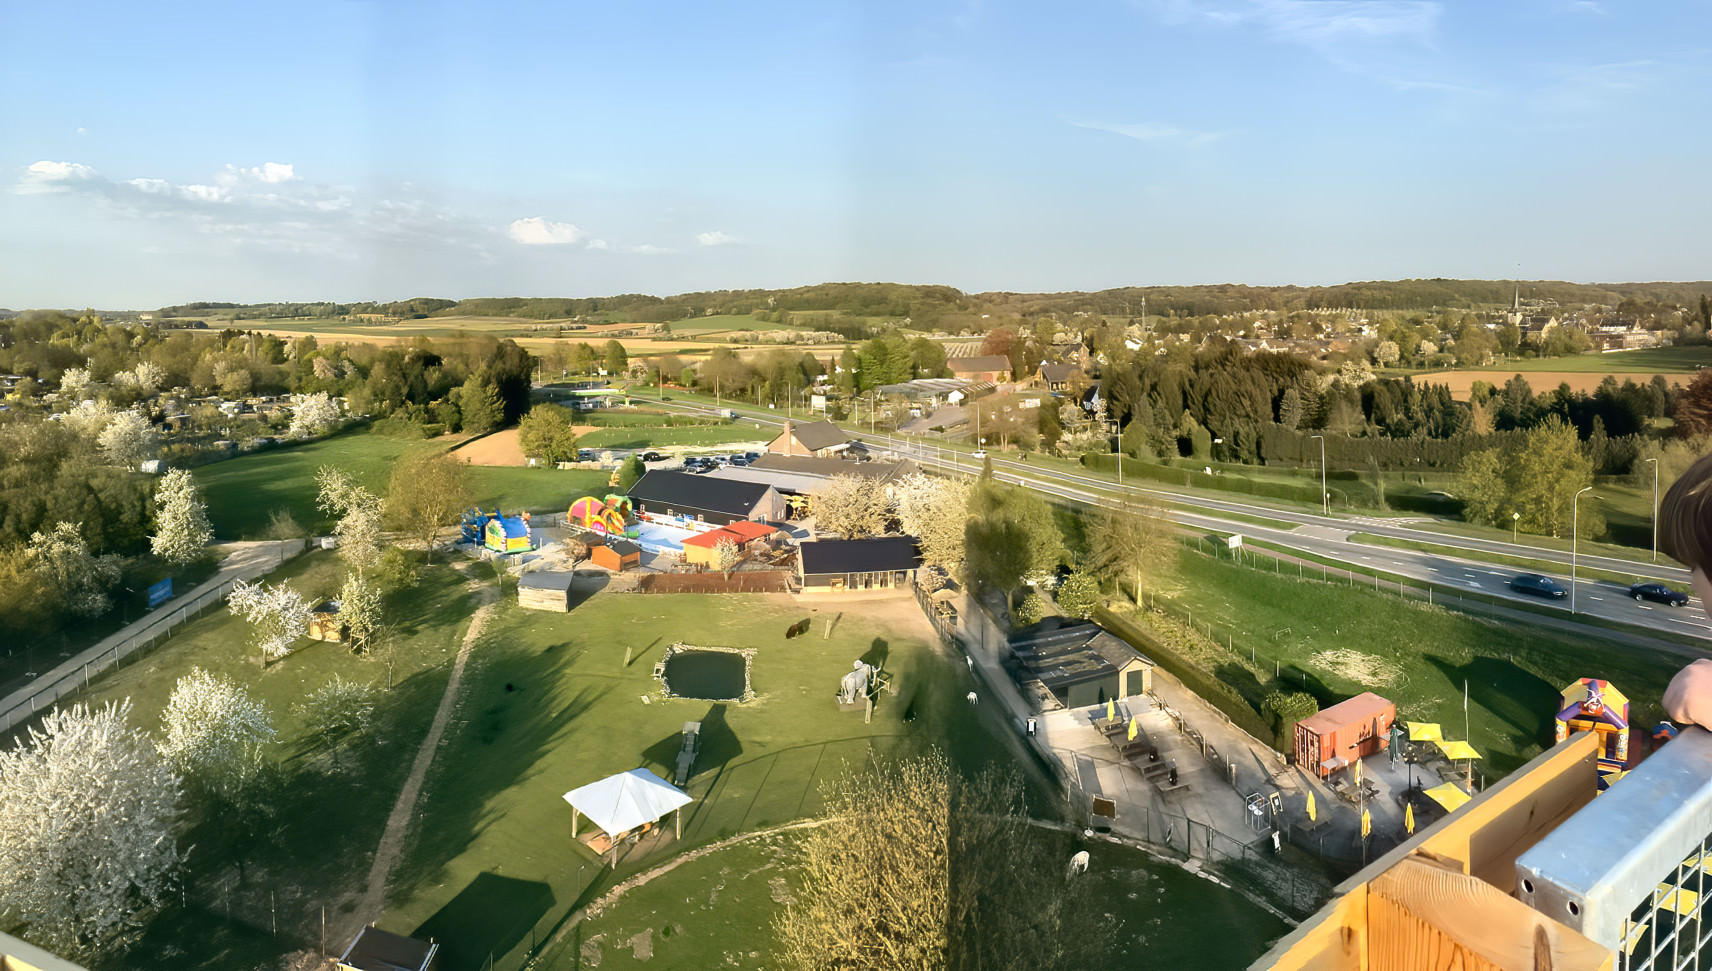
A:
x: 392, y: 839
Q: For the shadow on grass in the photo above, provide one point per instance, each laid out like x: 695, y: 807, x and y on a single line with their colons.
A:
x: 716, y: 747
x: 877, y: 653
x: 1243, y: 681
x: 1297, y: 679
x: 487, y: 918
x: 1519, y: 703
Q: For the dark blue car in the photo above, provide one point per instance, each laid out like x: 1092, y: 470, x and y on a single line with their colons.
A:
x: 1658, y: 593
x: 1537, y: 585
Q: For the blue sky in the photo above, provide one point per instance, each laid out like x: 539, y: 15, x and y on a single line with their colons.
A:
x: 381, y: 150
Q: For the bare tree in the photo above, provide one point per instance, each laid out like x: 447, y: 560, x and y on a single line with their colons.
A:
x: 919, y: 868
x: 339, y: 709
x: 87, y: 814
x: 1132, y: 539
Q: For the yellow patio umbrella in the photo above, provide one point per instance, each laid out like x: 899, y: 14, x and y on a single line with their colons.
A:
x: 1134, y: 726
x: 1366, y: 823
x: 1409, y: 819
x: 1456, y: 750
x: 1447, y: 795
x: 1312, y: 815
x: 1357, y: 764
x: 1424, y: 731
x: 1111, y: 710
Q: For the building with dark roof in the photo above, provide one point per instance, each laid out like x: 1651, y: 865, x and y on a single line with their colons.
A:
x: 1078, y: 662
x: 825, y: 468
x: 841, y: 565
x: 808, y: 438
x: 699, y: 497
x: 378, y: 950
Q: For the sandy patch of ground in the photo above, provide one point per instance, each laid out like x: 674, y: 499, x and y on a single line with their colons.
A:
x: 1358, y: 667
x: 501, y: 448
x: 1461, y: 383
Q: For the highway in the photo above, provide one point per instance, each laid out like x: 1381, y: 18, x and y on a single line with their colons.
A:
x: 1329, y: 537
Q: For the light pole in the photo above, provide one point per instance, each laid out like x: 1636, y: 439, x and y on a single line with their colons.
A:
x: 1515, y: 519
x: 1325, y: 497
x: 1574, y: 541
x: 1655, y: 508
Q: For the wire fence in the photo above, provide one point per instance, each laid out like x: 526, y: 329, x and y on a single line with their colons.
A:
x: 45, y: 693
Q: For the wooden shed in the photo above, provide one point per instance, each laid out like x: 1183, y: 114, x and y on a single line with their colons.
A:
x: 378, y: 950
x: 325, y: 623
x: 544, y: 590
x: 616, y: 555
x: 1346, y: 731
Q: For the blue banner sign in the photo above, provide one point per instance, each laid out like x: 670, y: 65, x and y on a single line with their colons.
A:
x: 160, y: 593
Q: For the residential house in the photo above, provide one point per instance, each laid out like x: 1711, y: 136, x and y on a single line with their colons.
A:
x: 1058, y: 378
x: 981, y: 367
x: 819, y: 438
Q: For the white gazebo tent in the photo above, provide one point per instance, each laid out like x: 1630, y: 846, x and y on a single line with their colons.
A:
x: 620, y: 803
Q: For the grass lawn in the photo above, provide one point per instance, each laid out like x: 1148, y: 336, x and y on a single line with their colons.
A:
x: 693, y: 436
x: 242, y: 493
x: 1336, y: 642
x: 717, y: 911
x: 550, y: 705
x: 1646, y: 360
x: 326, y: 815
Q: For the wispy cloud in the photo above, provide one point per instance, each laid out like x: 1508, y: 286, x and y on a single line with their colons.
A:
x: 715, y: 238
x: 1155, y: 134
x: 45, y: 177
x: 535, y: 231
x: 1583, y: 6
x: 1330, y: 26
x: 648, y: 249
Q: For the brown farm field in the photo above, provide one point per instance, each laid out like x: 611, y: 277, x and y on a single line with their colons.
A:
x: 1462, y: 382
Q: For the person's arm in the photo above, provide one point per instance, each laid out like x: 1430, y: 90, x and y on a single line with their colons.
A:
x: 1688, y: 698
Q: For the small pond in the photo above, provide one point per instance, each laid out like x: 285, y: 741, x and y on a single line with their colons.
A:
x: 707, y: 675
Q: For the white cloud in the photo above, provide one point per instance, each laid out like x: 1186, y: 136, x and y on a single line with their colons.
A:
x: 1157, y: 134
x: 599, y: 244
x: 648, y: 249
x: 272, y: 173
x: 715, y: 238
x: 535, y: 231
x: 46, y: 176
x: 82, y: 131
x: 1327, y: 25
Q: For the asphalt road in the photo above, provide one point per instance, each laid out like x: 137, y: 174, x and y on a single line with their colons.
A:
x: 1329, y: 537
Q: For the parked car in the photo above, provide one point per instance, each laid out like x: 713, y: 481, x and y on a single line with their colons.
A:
x: 652, y: 456
x: 738, y: 459
x: 1536, y: 585
x: 751, y: 456
x: 1658, y: 593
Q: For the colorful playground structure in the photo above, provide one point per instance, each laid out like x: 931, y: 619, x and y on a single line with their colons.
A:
x: 1593, y: 705
x: 498, y: 532
x: 611, y: 515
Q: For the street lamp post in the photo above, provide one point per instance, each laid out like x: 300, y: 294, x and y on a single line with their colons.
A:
x: 1574, y: 541
x: 1325, y: 497
x: 1655, y: 508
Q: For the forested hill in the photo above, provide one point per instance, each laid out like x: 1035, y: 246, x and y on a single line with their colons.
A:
x: 925, y: 305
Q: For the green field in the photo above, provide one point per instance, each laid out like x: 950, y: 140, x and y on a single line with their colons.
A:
x: 242, y: 493
x: 1646, y: 360
x: 717, y: 911
x: 325, y: 817
x: 1335, y: 642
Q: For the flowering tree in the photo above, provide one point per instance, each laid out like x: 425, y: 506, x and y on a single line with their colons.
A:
x: 79, y: 578
x: 181, y: 519
x: 726, y: 554
x: 215, y: 734
x: 934, y: 511
x: 89, y: 418
x: 338, y: 709
x: 851, y: 506
x: 277, y: 615
x: 75, y: 383
x: 87, y: 813
x: 312, y: 414
x: 359, y: 607
x: 145, y: 379
x: 128, y: 439
x: 359, y: 512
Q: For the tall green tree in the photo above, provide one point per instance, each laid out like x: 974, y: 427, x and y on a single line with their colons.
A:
x: 479, y: 405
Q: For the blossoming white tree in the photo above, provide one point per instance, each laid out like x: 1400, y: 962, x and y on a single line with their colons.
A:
x: 128, y: 439
x: 359, y: 608
x: 277, y: 615
x: 934, y: 511
x: 215, y: 734
x: 359, y: 512
x: 338, y: 709
x: 181, y: 519
x: 89, y: 418
x: 851, y: 506
x: 75, y: 383
x: 87, y: 813
x: 312, y: 414
x: 80, y: 579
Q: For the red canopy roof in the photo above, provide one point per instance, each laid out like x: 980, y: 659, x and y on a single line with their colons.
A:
x: 740, y: 532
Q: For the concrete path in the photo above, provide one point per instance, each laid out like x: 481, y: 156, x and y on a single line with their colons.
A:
x: 243, y: 561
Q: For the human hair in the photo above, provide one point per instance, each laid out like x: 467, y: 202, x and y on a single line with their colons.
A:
x: 1685, y: 517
